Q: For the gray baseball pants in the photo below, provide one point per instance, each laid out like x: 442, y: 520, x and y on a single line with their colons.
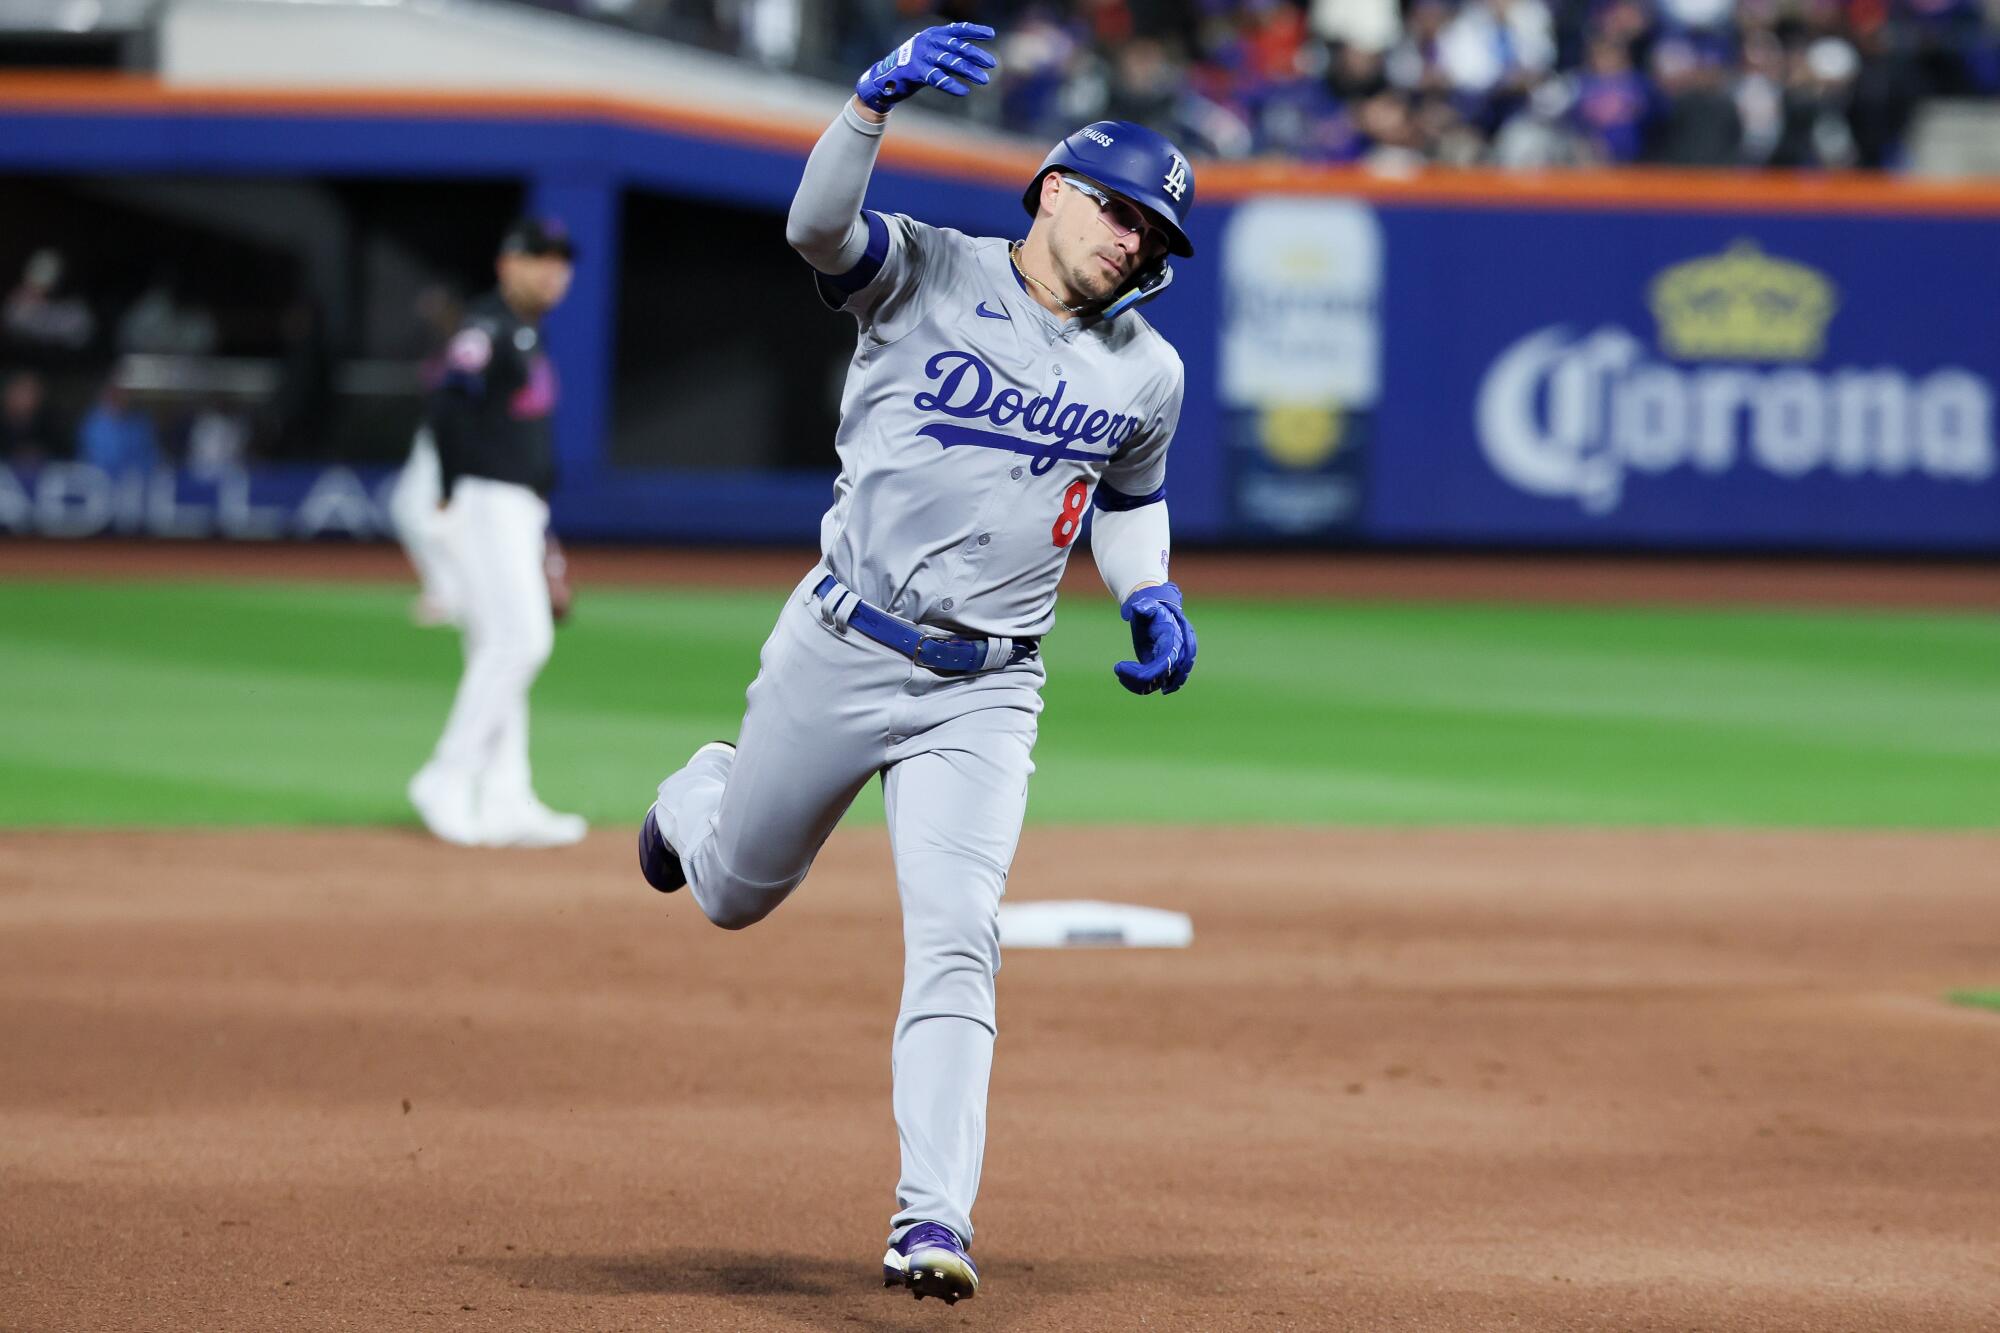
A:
x: 829, y: 709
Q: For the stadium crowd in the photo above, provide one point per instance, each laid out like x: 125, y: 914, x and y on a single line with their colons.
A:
x: 1391, y: 83
x: 1395, y: 83
x: 68, y: 353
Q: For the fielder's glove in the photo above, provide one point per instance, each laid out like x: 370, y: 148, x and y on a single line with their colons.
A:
x: 931, y: 58
x: 1162, y: 639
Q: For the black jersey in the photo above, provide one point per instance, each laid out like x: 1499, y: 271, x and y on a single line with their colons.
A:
x: 492, y: 413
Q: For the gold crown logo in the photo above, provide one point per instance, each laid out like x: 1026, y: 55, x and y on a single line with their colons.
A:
x: 1742, y: 304
x: 1301, y: 435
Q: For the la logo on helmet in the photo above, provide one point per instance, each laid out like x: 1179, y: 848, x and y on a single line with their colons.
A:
x: 1177, y: 178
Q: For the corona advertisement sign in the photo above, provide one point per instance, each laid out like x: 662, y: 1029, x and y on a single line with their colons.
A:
x: 1768, y: 390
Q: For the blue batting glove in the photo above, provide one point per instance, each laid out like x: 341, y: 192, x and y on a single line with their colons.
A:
x: 1162, y: 639
x: 932, y: 58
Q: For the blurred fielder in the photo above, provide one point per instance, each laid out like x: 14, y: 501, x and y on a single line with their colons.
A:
x: 416, y: 510
x: 487, y: 434
x: 997, y: 390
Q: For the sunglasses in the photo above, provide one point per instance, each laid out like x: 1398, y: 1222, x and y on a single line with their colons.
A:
x: 1121, y: 215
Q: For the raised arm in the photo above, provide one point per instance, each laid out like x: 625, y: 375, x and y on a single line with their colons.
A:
x: 826, y: 226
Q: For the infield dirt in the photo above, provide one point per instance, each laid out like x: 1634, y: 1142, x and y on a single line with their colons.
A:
x: 1455, y: 1081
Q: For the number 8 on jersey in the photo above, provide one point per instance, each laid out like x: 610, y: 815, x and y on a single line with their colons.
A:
x: 1075, y: 499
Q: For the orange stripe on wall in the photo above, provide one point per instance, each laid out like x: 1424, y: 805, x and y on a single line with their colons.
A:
x: 86, y: 94
x: 1639, y: 188
x: 1652, y: 189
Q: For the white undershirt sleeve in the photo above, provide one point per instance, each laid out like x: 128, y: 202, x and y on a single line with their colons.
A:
x: 1131, y: 546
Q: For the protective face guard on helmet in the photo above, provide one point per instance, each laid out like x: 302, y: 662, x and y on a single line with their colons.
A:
x: 1146, y: 284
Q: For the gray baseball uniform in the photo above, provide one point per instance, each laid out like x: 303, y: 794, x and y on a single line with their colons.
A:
x: 975, y: 429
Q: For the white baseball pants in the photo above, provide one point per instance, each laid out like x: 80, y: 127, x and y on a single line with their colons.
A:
x: 497, y: 537
x: 421, y: 528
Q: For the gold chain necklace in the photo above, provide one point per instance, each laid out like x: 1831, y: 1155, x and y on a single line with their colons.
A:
x: 1014, y: 253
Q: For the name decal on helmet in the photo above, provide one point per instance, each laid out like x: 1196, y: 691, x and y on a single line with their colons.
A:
x: 1098, y: 136
x: 1177, y: 177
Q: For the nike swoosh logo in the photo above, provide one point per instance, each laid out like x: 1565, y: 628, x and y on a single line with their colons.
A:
x: 981, y: 310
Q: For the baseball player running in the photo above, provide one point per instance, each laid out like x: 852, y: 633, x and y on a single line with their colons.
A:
x: 997, y: 389
x: 489, y: 421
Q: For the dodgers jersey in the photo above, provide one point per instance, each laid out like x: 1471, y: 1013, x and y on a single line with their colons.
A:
x: 976, y: 428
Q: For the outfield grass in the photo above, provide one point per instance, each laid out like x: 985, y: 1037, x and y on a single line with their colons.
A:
x: 169, y: 704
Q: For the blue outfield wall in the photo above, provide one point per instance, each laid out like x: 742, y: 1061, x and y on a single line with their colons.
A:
x: 1359, y: 371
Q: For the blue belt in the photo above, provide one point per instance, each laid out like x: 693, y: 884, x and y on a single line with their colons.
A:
x: 840, y: 608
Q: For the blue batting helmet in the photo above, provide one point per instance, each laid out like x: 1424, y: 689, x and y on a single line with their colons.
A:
x: 1132, y: 160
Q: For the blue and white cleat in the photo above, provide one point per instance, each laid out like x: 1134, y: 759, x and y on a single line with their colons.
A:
x: 657, y: 861
x: 930, y: 1260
